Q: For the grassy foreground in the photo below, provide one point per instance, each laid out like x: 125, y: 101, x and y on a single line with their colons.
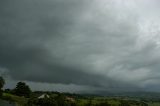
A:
x: 20, y: 101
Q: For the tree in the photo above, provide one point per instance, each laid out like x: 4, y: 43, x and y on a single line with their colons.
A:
x: 22, y: 89
x: 2, y: 82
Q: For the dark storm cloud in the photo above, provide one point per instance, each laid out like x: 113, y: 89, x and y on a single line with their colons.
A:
x: 103, y: 44
x: 26, y: 26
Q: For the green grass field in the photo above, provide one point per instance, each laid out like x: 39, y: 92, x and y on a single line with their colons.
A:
x: 20, y: 101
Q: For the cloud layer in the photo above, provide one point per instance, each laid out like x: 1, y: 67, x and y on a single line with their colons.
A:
x: 103, y: 44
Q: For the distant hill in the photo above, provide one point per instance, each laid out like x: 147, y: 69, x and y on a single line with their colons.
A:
x: 138, y: 94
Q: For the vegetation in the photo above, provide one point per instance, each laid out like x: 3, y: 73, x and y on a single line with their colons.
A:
x: 22, y: 101
x: 22, y: 90
x: 60, y: 99
x: 41, y: 102
x: 2, y: 82
x: 23, y: 96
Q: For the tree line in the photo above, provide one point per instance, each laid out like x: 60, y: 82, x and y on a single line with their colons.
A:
x: 23, y: 90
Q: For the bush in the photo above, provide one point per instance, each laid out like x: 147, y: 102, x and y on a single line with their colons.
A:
x: 42, y: 102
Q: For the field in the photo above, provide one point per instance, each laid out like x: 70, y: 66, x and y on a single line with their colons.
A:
x: 116, y: 102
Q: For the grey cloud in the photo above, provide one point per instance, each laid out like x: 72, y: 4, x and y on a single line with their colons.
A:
x: 99, y: 44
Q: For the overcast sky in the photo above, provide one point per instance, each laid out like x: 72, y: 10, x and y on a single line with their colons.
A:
x: 81, y: 45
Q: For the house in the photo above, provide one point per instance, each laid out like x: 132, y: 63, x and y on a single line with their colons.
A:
x: 44, y: 96
x: 70, y: 99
